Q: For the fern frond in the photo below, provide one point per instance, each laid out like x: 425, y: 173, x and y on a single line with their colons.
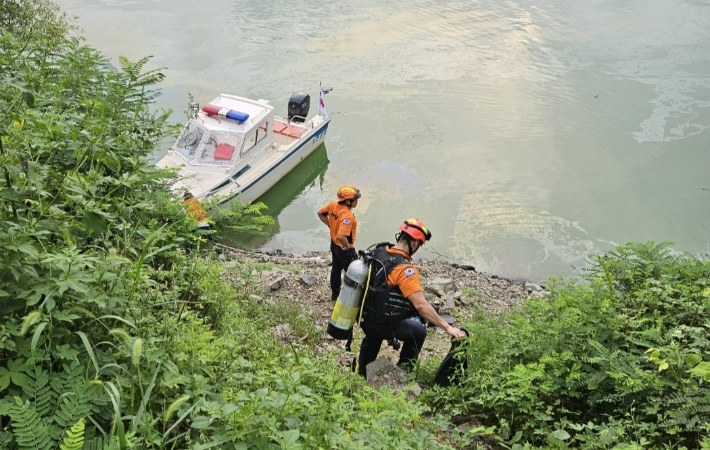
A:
x: 702, y: 398
x: 76, y: 404
x: 65, y: 381
x: 74, y: 440
x: 29, y: 431
x: 133, y: 72
x: 591, y: 380
x: 600, y: 349
x: 38, y: 389
x: 643, y: 343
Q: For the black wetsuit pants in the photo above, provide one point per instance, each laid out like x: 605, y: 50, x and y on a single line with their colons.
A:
x: 411, y: 332
x: 341, y: 261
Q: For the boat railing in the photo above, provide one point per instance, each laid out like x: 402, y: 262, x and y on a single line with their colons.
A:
x: 304, y: 125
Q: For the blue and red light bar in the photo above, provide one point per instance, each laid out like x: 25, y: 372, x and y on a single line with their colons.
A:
x: 214, y: 110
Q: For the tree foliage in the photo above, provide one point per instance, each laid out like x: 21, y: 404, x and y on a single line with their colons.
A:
x: 112, y: 334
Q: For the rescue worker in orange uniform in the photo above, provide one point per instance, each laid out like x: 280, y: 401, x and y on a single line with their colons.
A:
x: 395, y: 304
x: 196, y: 212
x: 339, y: 218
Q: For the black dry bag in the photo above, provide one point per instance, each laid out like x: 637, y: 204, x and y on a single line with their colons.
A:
x: 453, y: 365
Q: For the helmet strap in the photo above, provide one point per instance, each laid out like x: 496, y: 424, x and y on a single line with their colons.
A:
x: 408, y: 239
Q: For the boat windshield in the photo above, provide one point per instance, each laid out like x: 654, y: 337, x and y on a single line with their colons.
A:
x: 201, y: 146
x: 219, y: 149
x: 189, y: 140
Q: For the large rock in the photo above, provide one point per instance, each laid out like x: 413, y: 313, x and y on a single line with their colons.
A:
x: 309, y: 279
x: 451, y: 300
x: 440, y: 286
x: 275, y: 283
x: 381, y: 372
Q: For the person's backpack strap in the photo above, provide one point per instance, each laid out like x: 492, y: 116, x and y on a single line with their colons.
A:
x: 453, y: 364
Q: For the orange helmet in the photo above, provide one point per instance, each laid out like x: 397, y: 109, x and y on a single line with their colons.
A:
x: 416, y: 229
x: 348, y: 193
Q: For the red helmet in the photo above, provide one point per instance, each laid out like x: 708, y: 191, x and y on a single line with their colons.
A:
x: 416, y: 229
x: 348, y: 193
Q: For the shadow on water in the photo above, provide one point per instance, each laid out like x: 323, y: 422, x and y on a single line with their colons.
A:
x: 308, y: 173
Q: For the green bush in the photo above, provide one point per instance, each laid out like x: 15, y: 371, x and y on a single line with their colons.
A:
x: 621, y: 360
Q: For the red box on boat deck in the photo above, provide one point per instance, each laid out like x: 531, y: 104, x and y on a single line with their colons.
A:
x: 289, y: 131
x: 279, y: 127
x: 223, y: 152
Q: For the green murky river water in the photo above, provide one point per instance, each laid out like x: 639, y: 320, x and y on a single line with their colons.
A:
x: 524, y: 134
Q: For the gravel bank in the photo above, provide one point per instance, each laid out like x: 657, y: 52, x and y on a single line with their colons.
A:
x: 456, y: 289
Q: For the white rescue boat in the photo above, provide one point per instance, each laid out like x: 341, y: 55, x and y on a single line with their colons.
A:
x: 237, y: 147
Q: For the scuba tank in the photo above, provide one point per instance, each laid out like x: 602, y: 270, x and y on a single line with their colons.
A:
x: 346, y: 308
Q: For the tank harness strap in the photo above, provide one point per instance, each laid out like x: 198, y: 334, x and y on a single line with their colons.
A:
x: 359, y: 318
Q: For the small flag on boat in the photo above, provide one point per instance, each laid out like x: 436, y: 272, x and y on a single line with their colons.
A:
x: 321, y: 103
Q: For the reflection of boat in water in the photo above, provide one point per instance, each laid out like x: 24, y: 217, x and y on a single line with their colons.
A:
x: 293, y: 184
x: 309, y: 173
x: 234, y: 146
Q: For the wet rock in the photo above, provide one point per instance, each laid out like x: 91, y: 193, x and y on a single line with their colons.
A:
x: 309, y: 279
x: 532, y: 287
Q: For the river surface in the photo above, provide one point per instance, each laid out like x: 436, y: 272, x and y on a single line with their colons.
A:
x: 525, y: 134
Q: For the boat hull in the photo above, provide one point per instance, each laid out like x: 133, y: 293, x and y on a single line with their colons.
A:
x: 263, y: 182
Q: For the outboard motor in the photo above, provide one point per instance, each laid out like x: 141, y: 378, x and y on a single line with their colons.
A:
x: 298, y: 106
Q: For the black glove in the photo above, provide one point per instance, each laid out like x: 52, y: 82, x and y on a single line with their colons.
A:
x: 352, y: 254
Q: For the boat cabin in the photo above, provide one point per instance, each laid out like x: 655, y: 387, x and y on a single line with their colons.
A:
x: 226, y: 129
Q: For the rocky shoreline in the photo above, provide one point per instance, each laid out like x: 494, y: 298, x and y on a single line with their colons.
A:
x: 455, y: 289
